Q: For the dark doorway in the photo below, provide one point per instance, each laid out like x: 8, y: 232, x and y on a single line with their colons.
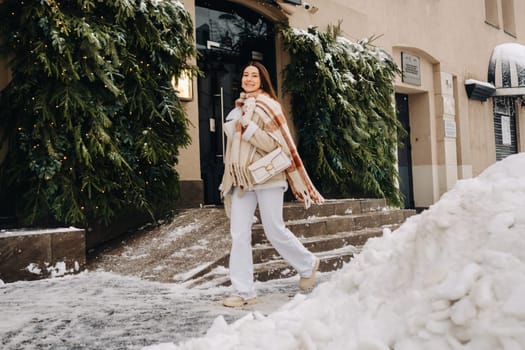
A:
x: 228, y: 36
x: 404, y: 152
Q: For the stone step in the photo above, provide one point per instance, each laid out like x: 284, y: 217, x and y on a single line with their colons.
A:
x: 296, y: 211
x: 333, y: 250
x: 322, y: 226
x: 265, y: 252
x: 334, y: 232
x: 212, y: 279
x: 329, y: 261
x: 318, y: 244
x: 209, y: 269
x: 276, y: 269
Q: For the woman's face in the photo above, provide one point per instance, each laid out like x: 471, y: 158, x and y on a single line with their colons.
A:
x: 251, y: 80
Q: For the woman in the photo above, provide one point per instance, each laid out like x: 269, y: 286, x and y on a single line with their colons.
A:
x: 254, y: 128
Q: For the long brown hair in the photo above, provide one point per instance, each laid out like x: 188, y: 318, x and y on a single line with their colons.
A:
x: 266, y: 82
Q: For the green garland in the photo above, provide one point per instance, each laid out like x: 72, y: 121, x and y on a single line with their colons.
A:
x: 93, y: 124
x: 342, y: 102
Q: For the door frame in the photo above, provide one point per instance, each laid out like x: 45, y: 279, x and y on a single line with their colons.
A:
x: 211, y: 44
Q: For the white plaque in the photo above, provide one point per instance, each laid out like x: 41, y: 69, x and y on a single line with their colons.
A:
x: 450, y: 128
x: 411, y: 69
x: 505, y: 130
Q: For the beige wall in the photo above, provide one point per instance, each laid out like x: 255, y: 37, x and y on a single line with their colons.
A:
x: 520, y: 117
x: 481, y: 129
x: 189, y: 165
x: 189, y: 157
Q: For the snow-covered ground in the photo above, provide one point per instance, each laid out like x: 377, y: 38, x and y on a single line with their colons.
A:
x: 101, y: 310
x: 452, y: 277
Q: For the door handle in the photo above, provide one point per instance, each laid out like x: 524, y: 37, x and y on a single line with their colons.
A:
x: 222, y: 122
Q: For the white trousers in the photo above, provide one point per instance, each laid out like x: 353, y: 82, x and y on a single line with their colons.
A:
x: 283, y: 240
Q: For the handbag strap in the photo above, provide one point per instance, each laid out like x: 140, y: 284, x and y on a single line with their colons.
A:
x: 255, y: 148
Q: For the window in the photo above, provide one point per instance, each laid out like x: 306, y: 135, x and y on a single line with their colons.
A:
x: 491, y: 12
x: 507, y: 10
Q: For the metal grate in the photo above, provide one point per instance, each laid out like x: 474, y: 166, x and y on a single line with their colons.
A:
x: 505, y: 127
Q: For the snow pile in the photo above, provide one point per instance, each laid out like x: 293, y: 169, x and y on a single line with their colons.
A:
x: 34, y: 269
x: 452, y: 277
x: 57, y: 270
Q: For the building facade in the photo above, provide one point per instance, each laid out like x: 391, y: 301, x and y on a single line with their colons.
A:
x: 460, y: 95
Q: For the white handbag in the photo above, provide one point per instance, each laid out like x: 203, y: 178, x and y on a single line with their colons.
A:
x: 269, y: 165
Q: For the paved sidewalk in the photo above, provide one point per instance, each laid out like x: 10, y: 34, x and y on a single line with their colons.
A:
x: 100, y: 310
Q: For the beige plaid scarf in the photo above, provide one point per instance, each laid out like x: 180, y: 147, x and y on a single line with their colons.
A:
x: 268, y: 114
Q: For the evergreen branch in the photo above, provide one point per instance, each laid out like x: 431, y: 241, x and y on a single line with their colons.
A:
x: 347, y: 125
x: 88, y: 78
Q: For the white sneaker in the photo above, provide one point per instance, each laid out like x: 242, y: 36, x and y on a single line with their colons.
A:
x: 306, y: 283
x: 237, y: 301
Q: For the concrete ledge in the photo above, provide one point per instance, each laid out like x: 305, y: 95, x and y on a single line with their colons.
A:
x: 36, y: 254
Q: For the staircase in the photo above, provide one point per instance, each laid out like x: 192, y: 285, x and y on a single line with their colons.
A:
x: 334, y: 232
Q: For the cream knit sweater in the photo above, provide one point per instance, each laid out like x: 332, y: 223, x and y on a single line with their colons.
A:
x: 255, y: 143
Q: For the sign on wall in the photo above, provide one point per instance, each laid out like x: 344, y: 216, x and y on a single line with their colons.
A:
x: 450, y: 128
x: 411, y: 69
x: 505, y: 130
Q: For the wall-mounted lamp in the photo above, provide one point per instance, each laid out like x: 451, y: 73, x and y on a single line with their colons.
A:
x: 289, y: 6
x: 183, y: 86
x: 310, y: 8
x: 479, y: 90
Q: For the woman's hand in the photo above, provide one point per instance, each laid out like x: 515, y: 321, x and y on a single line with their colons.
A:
x: 247, y: 111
